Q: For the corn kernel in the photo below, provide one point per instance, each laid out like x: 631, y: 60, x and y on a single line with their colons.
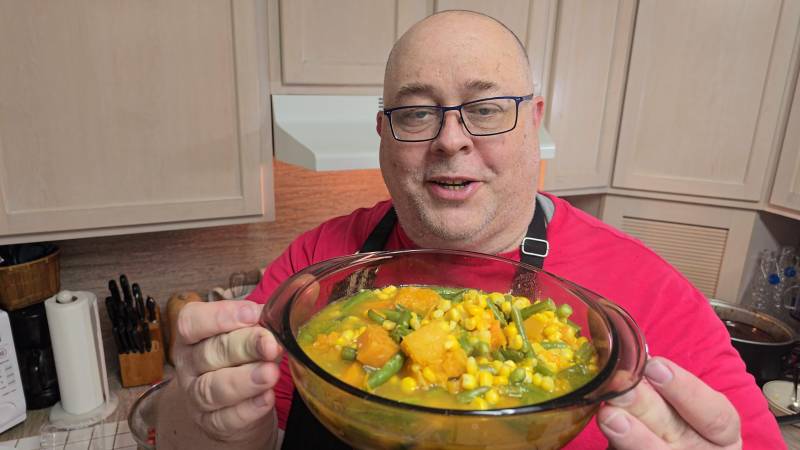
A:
x: 485, y: 336
x: 516, y: 342
x: 510, y: 331
x: 380, y: 295
x: 453, y: 386
x: 548, y: 384
x: 394, y: 380
x: 506, y: 307
x: 450, y: 342
x: 521, y: 302
x: 472, y: 365
x: 504, y: 370
x: 480, y: 403
x: 408, y: 385
x: 491, y: 396
x: 438, y: 314
x: 429, y: 375
x: 485, y: 378
x: 470, y: 324
x: 501, y: 380
x: 391, y: 289
x: 454, y: 314
x: 473, y: 310
x: 536, y: 379
x: 445, y: 305
x: 388, y: 325
x: 468, y: 381
x: 482, y: 301
x: 453, y: 325
x: 424, y: 322
x: 483, y: 360
x: 416, y: 368
x: 348, y: 335
x: 497, y: 364
x: 414, y: 322
x: 445, y: 326
x: 496, y: 297
x: 568, y: 354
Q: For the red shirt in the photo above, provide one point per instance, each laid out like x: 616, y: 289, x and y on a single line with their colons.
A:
x: 676, y: 318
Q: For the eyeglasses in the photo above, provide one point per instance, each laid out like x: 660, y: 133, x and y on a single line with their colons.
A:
x: 484, y: 117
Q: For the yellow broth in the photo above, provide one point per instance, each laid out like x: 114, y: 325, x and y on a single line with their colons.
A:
x: 451, y: 348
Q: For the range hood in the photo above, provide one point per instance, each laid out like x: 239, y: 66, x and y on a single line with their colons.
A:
x: 337, y: 132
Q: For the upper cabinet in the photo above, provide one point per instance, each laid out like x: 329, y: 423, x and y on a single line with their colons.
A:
x: 588, y: 63
x: 118, y: 115
x: 707, y: 84
x: 344, y: 42
x: 786, y: 190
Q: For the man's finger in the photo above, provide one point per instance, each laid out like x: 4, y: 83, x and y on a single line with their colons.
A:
x: 200, y: 320
x: 227, y: 387
x: 709, y: 412
x: 644, y: 404
x: 625, y: 432
x: 234, y: 348
x: 224, y: 424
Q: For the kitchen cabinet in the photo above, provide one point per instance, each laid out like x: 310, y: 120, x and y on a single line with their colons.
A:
x: 786, y: 189
x: 706, y: 89
x: 345, y: 42
x: 129, y: 116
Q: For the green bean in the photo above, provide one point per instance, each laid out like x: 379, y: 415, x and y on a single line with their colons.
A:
x: 575, y: 327
x: 355, y: 300
x: 546, y: 305
x: 394, y: 316
x: 549, y: 345
x: 468, y: 396
x: 483, y: 349
x: 349, y: 353
x: 542, y: 368
x: 383, y: 374
x: 511, y: 354
x: 564, y: 311
x: 375, y: 316
x: 463, y: 340
x: 584, y: 352
x: 497, y: 314
x: 454, y: 295
x: 517, y: 376
x: 399, y: 332
x: 517, y: 317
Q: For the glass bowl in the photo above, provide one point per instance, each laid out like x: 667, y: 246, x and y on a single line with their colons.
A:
x: 364, y: 420
x: 143, y: 414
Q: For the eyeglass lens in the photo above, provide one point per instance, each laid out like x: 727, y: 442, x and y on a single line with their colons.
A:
x: 481, y: 118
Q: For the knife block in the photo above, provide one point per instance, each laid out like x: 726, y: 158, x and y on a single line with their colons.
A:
x: 137, y: 369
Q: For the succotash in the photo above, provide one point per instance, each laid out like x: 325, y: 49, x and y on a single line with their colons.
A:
x: 451, y: 347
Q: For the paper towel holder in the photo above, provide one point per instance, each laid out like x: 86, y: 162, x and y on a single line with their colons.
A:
x: 58, y: 415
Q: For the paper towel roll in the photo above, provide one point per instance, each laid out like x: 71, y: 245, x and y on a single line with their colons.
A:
x: 71, y: 317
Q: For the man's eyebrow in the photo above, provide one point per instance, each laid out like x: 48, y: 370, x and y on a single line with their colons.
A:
x: 412, y: 89
x: 480, y: 85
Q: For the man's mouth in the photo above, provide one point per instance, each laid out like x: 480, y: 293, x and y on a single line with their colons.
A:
x: 452, y: 185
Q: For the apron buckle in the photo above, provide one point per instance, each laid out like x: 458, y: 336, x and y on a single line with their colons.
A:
x: 532, y: 252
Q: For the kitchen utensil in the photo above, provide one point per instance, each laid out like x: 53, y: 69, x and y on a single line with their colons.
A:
x: 127, y: 295
x: 364, y: 420
x: 138, y: 300
x: 35, y: 356
x: 114, y: 289
x: 779, y: 395
x: 761, y: 340
x: 151, y: 310
x: 142, y: 416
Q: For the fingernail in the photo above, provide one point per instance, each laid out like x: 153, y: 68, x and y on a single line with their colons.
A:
x: 624, y: 399
x: 618, y: 423
x: 261, y: 400
x: 657, y: 372
x: 246, y: 314
x: 259, y: 375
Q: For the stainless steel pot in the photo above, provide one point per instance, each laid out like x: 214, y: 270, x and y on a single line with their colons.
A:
x: 762, y: 340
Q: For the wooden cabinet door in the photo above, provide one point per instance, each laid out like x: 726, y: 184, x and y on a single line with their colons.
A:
x: 707, y: 84
x: 120, y: 113
x: 786, y: 189
x: 342, y: 42
x: 586, y: 85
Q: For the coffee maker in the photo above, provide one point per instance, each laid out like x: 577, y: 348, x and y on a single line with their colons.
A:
x: 35, y: 356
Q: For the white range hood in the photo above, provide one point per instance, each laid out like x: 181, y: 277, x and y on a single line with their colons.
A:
x: 337, y: 132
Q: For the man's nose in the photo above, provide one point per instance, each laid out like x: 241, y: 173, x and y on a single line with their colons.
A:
x: 453, y: 137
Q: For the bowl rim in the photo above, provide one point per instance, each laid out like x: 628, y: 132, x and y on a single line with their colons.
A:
x: 574, y: 399
x: 151, y: 390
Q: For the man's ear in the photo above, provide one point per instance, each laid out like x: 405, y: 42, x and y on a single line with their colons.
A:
x: 379, y: 122
x: 538, y: 111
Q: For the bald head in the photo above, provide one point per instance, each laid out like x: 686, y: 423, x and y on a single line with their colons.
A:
x: 456, y: 36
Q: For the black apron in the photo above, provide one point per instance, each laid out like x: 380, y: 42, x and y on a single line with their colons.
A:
x: 303, y: 430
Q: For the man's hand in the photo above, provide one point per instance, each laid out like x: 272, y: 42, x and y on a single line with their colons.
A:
x: 671, y: 408
x: 227, y: 366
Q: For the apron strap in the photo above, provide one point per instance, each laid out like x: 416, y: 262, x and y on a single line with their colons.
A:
x: 303, y: 430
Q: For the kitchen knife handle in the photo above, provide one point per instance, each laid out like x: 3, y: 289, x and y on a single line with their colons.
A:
x: 151, y: 309
x: 114, y: 289
x: 126, y: 289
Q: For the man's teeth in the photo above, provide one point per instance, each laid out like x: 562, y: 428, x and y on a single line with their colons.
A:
x: 453, y: 185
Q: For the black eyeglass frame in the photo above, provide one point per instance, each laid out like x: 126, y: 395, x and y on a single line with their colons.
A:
x: 444, y: 109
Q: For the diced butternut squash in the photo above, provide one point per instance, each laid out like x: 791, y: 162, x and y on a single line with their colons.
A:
x: 425, y: 346
x: 354, y: 375
x: 419, y: 300
x: 455, y: 362
x: 534, y: 325
x: 375, y: 346
x: 498, y: 338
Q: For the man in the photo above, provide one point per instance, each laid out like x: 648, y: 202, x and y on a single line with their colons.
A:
x: 462, y: 174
